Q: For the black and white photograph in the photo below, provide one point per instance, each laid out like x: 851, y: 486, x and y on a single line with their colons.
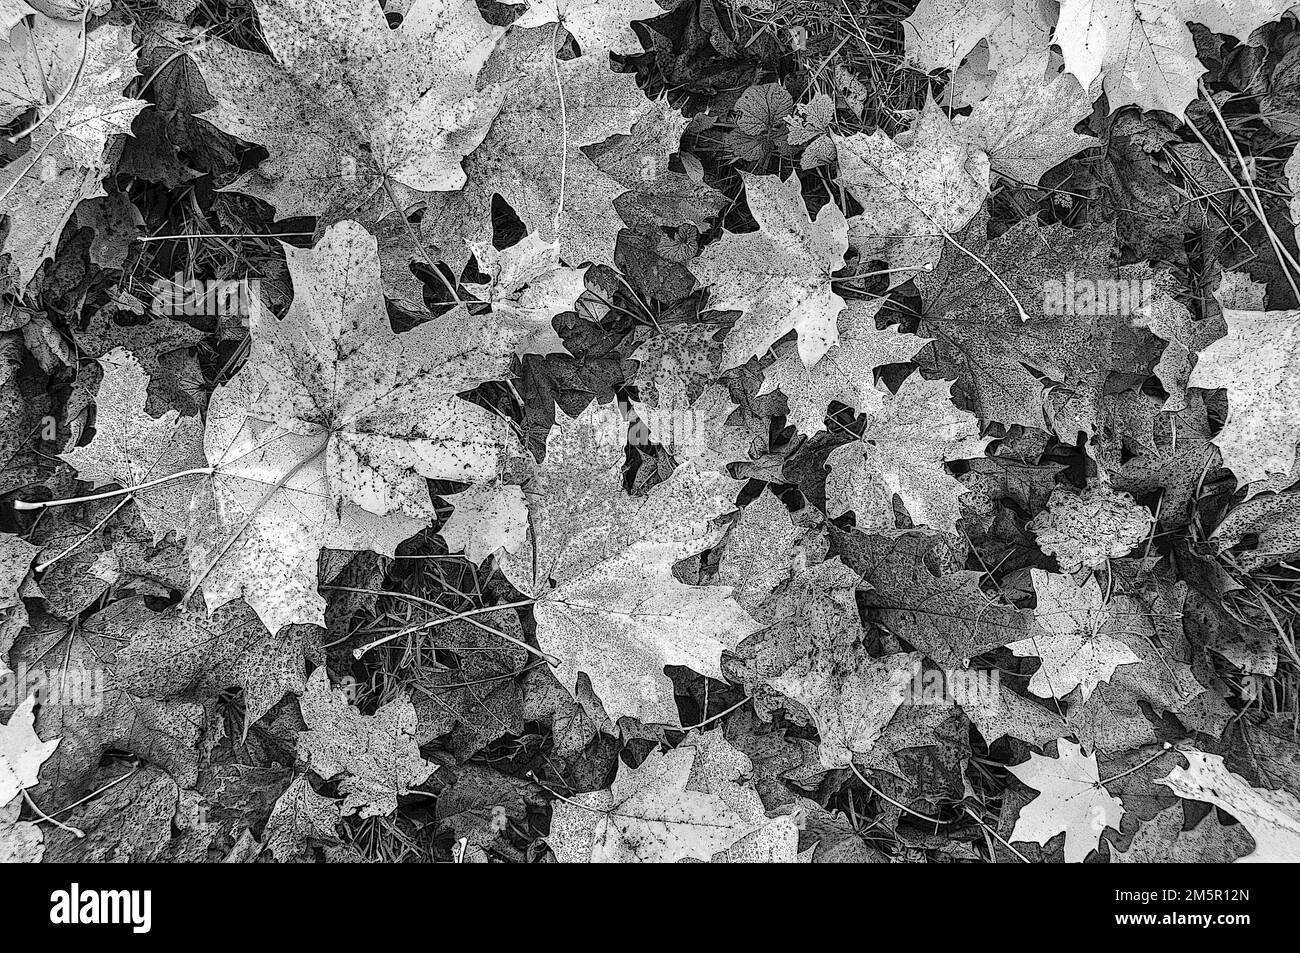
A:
x: 650, y: 432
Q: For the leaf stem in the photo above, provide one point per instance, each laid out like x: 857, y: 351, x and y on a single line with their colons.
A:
x: 91, y: 532
x: 109, y: 494
x: 358, y: 653
x: 72, y: 84
x: 564, y: 129
x: 41, y: 815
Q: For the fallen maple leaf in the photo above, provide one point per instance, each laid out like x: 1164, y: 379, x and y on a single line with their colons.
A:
x: 533, y: 155
x: 1272, y: 817
x: 300, y: 816
x: 487, y: 520
x: 22, y: 752
x: 350, y: 109
x: 16, y: 558
x: 97, y: 713
x: 21, y: 755
x: 600, y: 569
x: 1071, y: 800
x: 1257, y: 363
x: 1143, y: 48
x: 80, y: 107
x: 762, y: 549
x: 850, y: 695
x: 779, y: 277
x: 375, y: 755
x: 977, y: 308
x: 131, y: 448
x: 528, y: 287
x: 1084, y: 530
x: 21, y: 842
x: 1026, y: 123
x: 651, y: 814
x: 167, y: 654
x: 845, y: 373
x: 902, y: 452
x: 728, y: 773
x: 683, y: 408
x: 914, y: 189
x: 1076, y: 636
x: 598, y: 27
x: 942, y: 613
x: 1162, y: 840
x: 326, y: 437
x: 939, y: 33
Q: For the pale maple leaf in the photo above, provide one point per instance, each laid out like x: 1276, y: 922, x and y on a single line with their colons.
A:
x: 598, y: 27
x: 300, y: 815
x: 1143, y: 48
x: 527, y: 286
x: 533, y: 155
x: 940, y: 33
x: 75, y: 87
x: 927, y: 182
x: 1162, y: 840
x: 1026, y: 123
x: 779, y: 276
x: 21, y: 755
x: 350, y: 109
x: 1076, y: 636
x: 697, y: 431
x: 22, y: 752
x: 131, y: 448
x: 1271, y: 817
x: 762, y: 549
x: 850, y: 695
x: 1257, y: 362
x: 683, y: 408
x: 383, y: 404
x: 846, y: 371
x: 487, y: 520
x: 375, y: 755
x: 1071, y: 800
x: 651, y: 814
x: 600, y: 569
x: 327, y: 435
x: 811, y: 127
x: 906, y: 441
x: 11, y: 12
x: 728, y: 773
